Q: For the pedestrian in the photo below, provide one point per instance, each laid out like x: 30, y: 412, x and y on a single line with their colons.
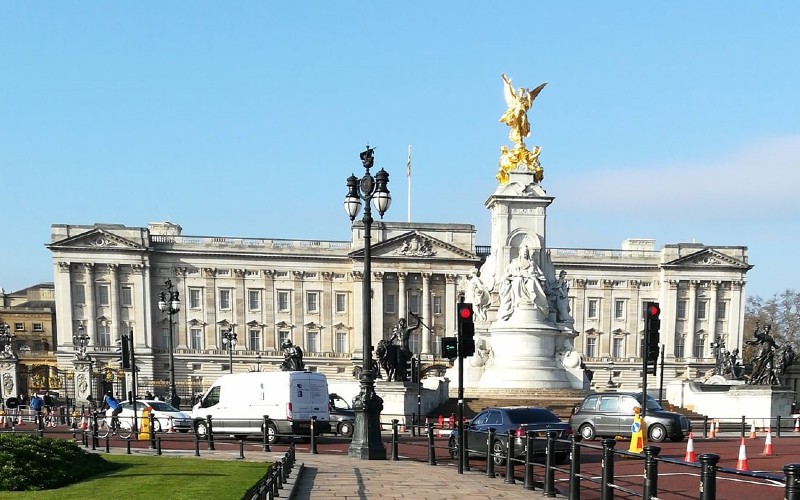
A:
x: 36, y: 406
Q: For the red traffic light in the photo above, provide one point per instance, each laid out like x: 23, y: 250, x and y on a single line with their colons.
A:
x: 653, y: 310
x: 465, y: 311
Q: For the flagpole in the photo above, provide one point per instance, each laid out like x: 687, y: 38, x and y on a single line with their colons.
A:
x: 408, y: 173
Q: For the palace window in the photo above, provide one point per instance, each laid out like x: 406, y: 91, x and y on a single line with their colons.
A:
x: 254, y: 300
x: 104, y: 335
x: 591, y: 310
x: 255, y: 339
x: 702, y: 305
x: 312, y: 341
x: 591, y: 347
x: 437, y: 305
x: 679, y: 350
x: 618, y: 347
x: 312, y: 302
x: 225, y: 299
x: 619, y: 309
x: 699, y: 347
x: 413, y: 303
x: 19, y: 327
x: 102, y: 295
x: 341, y: 342
x: 283, y: 335
x: 195, y: 338
x: 283, y: 301
x: 195, y: 298
x: 126, y: 296
x: 389, y: 305
x: 722, y: 309
x: 341, y: 303
x: 78, y: 294
x: 38, y: 327
x: 681, y: 309
x: 414, y: 343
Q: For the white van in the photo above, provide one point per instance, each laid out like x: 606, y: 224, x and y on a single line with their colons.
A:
x: 238, y: 402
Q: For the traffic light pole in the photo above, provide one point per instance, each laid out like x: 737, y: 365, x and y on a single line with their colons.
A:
x: 462, y: 454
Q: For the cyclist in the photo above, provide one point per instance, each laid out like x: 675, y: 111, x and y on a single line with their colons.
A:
x: 109, y: 401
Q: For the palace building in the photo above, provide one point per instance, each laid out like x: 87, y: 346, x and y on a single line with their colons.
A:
x: 108, y: 280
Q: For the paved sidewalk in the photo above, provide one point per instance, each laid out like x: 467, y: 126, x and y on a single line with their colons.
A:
x: 338, y: 476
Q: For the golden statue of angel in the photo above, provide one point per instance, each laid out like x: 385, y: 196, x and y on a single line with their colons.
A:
x: 516, y: 116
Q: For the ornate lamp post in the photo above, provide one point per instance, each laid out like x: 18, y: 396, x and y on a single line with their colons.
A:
x: 229, y: 341
x: 258, y: 362
x: 169, y: 303
x: 6, y: 339
x: 611, y: 384
x: 80, y: 340
x: 366, y: 443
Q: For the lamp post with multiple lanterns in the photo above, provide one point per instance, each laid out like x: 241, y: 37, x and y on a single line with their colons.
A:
x: 229, y: 341
x: 169, y: 303
x: 367, y: 443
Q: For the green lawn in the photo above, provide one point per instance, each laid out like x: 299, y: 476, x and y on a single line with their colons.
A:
x: 160, y: 478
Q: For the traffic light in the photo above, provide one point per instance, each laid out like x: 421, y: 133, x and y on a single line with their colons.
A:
x: 124, y: 351
x: 466, y: 329
x: 652, y: 324
x: 450, y: 347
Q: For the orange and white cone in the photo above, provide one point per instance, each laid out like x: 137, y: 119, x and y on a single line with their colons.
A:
x: 768, y: 444
x: 85, y: 423
x: 170, y: 429
x: 741, y: 464
x: 690, y: 455
x: 716, y: 429
x: 797, y: 425
x: 753, y: 430
x: 2, y: 419
x: 712, y: 431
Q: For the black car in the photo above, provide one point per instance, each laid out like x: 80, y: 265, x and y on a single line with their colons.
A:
x: 343, y: 418
x: 520, y: 420
x: 610, y: 414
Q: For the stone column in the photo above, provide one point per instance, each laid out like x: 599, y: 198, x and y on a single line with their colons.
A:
x: 181, y: 329
x: 736, y: 319
x: 449, y: 304
x: 64, y: 318
x: 669, y: 320
x: 113, y: 292
x: 691, y: 320
x: 239, y: 313
x: 298, y: 308
x: 213, y: 340
x: 269, y: 311
x: 358, y: 319
x: 90, y: 313
x: 142, y: 304
x: 402, y: 305
x: 327, y: 340
x: 377, y: 308
x: 712, y: 312
x: 426, y: 313
x: 606, y: 309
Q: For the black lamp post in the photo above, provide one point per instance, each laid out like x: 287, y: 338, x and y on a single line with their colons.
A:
x: 6, y: 337
x: 80, y: 340
x: 258, y: 362
x: 229, y: 341
x: 611, y: 384
x: 169, y: 303
x: 367, y: 443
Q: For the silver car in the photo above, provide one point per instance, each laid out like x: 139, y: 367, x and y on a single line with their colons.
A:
x: 611, y: 414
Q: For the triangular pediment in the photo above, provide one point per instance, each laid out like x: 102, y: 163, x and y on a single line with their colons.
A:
x: 706, y: 258
x: 98, y: 238
x: 416, y: 245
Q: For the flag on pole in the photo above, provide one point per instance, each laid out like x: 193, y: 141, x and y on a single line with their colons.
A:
x: 408, y: 164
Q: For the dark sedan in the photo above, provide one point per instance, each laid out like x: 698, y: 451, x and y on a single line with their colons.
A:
x: 519, y: 420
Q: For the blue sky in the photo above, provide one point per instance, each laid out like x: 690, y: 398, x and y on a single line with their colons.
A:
x: 676, y: 121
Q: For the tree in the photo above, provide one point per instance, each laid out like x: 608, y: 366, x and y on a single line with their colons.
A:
x: 781, y: 311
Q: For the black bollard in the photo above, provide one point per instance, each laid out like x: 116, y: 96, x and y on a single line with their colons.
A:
x: 280, y: 475
x: 196, y: 444
x: 158, y: 445
x: 607, y: 477
x: 705, y: 426
x: 708, y: 475
x: 395, y: 439
x: 650, y: 472
x: 95, y: 442
x: 128, y: 446
x: 464, y: 457
x: 743, y: 426
x: 108, y: 444
x: 792, y: 489
x: 778, y: 426
x: 431, y: 449
x: 265, y: 433
x: 529, y: 483
x: 550, y: 466
x: 314, y: 435
x: 509, y: 458
x: 151, y: 429
x: 489, y: 457
x: 575, y: 467
x: 241, y: 449
x: 209, y: 433
x: 414, y: 421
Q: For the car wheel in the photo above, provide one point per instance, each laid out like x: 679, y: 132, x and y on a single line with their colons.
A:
x: 201, y: 427
x: 272, y: 434
x: 452, y: 447
x: 498, y: 453
x: 346, y: 429
x: 156, y: 425
x: 587, y: 432
x: 657, y: 433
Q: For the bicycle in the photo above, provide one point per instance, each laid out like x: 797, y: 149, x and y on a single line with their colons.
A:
x: 116, y: 427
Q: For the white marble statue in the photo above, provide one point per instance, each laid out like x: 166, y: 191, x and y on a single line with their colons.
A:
x: 479, y: 295
x: 521, y: 284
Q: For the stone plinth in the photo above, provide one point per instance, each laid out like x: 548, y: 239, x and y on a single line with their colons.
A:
x: 732, y: 401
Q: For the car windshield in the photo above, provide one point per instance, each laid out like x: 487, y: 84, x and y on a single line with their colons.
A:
x: 652, y: 404
x: 531, y: 416
x: 162, y: 406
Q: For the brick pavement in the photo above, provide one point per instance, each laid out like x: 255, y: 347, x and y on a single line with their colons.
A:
x: 337, y: 476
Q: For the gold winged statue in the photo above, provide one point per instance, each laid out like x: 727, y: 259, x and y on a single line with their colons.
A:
x: 516, y: 117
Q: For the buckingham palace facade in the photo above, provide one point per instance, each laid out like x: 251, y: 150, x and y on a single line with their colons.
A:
x: 108, y: 280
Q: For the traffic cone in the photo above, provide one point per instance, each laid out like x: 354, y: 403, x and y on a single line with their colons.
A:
x: 441, y: 422
x: 690, y: 455
x: 713, y: 431
x: 768, y: 444
x: 741, y: 464
x: 797, y: 425
x: 716, y: 429
x: 170, y: 429
x: 753, y: 430
x: 3, y: 419
x: 85, y: 423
